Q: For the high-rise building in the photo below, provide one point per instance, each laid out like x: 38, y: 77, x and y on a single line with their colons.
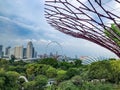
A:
x: 24, y: 53
x: 12, y: 51
x: 1, y: 51
x: 35, y: 54
x: 18, y: 52
x: 29, y: 50
x: 7, y: 51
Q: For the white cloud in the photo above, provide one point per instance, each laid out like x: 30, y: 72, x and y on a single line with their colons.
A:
x: 30, y: 27
x: 35, y: 41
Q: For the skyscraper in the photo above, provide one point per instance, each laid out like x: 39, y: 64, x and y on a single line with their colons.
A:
x: 29, y: 50
x: 7, y: 51
x: 33, y: 52
x: 1, y: 51
x: 12, y: 51
x: 24, y: 53
x: 18, y: 52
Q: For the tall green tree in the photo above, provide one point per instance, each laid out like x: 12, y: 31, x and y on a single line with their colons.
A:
x: 99, y: 70
x: 4, y: 64
x: 41, y: 81
x: 72, y: 72
x: 8, y: 80
x: 61, y: 75
x: 12, y: 59
x: 51, y: 72
x: 115, y: 71
x: 11, y: 79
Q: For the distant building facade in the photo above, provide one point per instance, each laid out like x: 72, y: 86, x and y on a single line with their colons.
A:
x: 24, y: 53
x: 35, y: 54
x: 18, y: 52
x: 30, y: 50
x: 1, y: 51
x: 12, y: 51
x: 7, y: 51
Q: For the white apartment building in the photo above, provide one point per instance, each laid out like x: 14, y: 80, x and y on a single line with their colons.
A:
x: 18, y: 52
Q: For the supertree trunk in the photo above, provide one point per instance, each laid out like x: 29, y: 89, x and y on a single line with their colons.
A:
x: 86, y: 19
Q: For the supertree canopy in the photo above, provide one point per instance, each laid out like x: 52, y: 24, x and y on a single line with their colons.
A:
x: 95, y: 20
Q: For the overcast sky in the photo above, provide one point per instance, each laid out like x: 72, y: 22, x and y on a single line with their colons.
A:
x: 23, y: 20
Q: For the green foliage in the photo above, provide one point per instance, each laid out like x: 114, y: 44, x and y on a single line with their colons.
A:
x: 29, y: 85
x: 31, y: 69
x: 115, y: 71
x: 51, y: 72
x: 84, y: 70
x: 78, y: 63
x: 21, y: 63
x: 99, y: 70
x: 112, y: 59
x: 109, y: 70
x: 109, y: 33
x: 67, y: 85
x: 4, y: 64
x: 98, y: 86
x: 18, y: 69
x: 61, y: 75
x: 8, y: 80
x: 77, y: 80
x: 41, y: 81
x: 72, y: 72
x: 12, y: 59
x: 35, y: 69
x: 2, y: 79
x: 2, y: 72
x: 115, y: 29
x: 65, y: 65
x: 2, y: 82
x: 79, y: 76
x: 49, y: 61
x: 42, y: 69
x: 11, y: 78
x: 37, y: 84
x: 21, y: 81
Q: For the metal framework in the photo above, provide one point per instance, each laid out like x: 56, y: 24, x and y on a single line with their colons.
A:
x: 86, y: 19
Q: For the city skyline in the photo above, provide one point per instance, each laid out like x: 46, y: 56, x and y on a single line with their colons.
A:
x: 19, y: 51
x: 22, y: 21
